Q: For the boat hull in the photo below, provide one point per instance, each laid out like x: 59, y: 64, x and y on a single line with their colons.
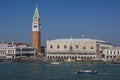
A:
x: 86, y: 71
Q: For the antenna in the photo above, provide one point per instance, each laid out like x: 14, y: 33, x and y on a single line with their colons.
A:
x: 36, y: 1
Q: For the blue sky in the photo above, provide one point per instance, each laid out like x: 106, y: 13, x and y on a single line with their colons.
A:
x: 98, y: 19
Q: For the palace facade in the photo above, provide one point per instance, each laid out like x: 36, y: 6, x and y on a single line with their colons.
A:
x: 75, y: 49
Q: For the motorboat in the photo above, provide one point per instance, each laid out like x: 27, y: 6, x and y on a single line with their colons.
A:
x: 86, y: 71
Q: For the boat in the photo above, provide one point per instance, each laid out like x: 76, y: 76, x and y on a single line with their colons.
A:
x: 86, y: 71
x: 55, y: 63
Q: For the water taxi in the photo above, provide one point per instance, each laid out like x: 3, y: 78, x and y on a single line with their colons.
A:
x: 86, y: 71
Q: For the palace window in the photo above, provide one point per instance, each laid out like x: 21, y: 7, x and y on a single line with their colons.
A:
x: 110, y: 52
x: 118, y: 52
x: 107, y: 52
x: 70, y: 47
x: 84, y: 47
x: 92, y: 47
x: 65, y: 46
x: 114, y: 56
x: 51, y: 46
x: 77, y: 46
x: 107, y: 56
x: 114, y: 52
x: 58, y: 46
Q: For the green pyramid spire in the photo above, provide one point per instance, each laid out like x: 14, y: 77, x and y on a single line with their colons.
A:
x: 36, y: 14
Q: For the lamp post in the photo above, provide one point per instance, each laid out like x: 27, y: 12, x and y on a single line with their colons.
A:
x: 34, y: 53
x: 20, y: 53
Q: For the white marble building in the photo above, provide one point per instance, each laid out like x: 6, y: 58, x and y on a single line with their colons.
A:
x: 6, y: 51
x: 77, y: 49
x: 111, y: 53
x: 12, y: 51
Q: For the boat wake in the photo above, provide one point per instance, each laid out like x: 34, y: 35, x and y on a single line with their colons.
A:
x: 108, y: 73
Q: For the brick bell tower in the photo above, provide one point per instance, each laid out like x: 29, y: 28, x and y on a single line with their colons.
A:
x: 36, y: 32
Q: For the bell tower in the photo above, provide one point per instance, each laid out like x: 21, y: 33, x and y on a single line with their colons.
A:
x: 36, y: 32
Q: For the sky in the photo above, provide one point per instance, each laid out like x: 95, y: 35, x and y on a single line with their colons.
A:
x: 97, y: 19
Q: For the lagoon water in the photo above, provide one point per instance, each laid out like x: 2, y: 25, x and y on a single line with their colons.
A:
x: 63, y: 71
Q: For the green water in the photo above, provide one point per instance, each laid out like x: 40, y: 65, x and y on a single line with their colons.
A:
x: 63, y: 71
